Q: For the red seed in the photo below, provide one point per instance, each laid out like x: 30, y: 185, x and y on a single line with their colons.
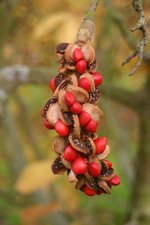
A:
x: 70, y: 153
x: 61, y: 128
x: 108, y: 163
x: 77, y: 55
x: 98, y: 78
x: 69, y: 98
x: 79, y: 166
x: 52, y: 84
x: 85, y: 84
x: 47, y: 125
x: 42, y: 112
x: 88, y: 191
x: 76, y: 108
x: 84, y: 118
x: 94, y: 169
x: 91, y: 126
x: 100, y: 144
x: 81, y: 66
x: 114, y: 181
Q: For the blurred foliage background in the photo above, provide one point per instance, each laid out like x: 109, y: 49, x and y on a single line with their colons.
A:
x: 29, y: 193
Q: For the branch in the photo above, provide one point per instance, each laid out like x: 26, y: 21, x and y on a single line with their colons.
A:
x: 138, y: 49
x: 14, y: 76
x: 130, y: 99
x: 86, y: 30
x: 141, y: 26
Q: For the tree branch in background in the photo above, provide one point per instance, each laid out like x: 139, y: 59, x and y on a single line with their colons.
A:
x: 128, y: 98
x: 14, y: 76
x: 86, y: 30
x: 141, y: 25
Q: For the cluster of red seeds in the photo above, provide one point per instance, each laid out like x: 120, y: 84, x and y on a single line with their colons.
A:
x: 73, y: 112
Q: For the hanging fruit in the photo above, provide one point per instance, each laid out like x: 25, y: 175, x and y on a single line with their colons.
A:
x: 73, y: 113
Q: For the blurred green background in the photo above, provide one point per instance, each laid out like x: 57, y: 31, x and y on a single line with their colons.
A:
x: 29, y: 193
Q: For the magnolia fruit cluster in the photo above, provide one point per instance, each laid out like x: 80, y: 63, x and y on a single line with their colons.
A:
x: 73, y: 112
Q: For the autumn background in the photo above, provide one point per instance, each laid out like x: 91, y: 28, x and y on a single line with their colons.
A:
x: 29, y: 193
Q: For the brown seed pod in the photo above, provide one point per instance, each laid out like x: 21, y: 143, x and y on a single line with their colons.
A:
x: 95, y: 113
x: 59, y: 144
x: 72, y: 177
x: 66, y: 118
x: 78, y: 144
x: 53, y: 114
x: 92, y: 183
x: 60, y: 48
x: 103, y: 184
x: 61, y: 100
x: 74, y: 79
x: 81, y: 182
x: 63, y: 70
x: 89, y: 53
x: 94, y: 96
x: 58, y: 167
x: 88, y: 76
x: 69, y: 52
x: 49, y: 104
x: 108, y: 175
x: 66, y: 163
x: 70, y: 66
x: 87, y: 175
x: 92, y: 66
x: 61, y: 86
x: 104, y: 154
x: 80, y: 94
x: 58, y: 79
x: 76, y: 126
x: 90, y: 144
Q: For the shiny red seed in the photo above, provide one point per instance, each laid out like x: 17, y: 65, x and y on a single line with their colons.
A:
x: 84, y: 118
x: 79, y: 166
x: 69, y: 98
x: 98, y: 78
x: 88, y: 191
x: 94, y: 169
x: 91, y: 126
x: 61, y: 128
x: 52, y: 84
x: 70, y: 153
x: 76, y: 108
x: 81, y: 66
x: 108, y: 163
x: 100, y: 144
x: 47, y: 125
x: 85, y: 84
x: 77, y: 55
x: 114, y: 181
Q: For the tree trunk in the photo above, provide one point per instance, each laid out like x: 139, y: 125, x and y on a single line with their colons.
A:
x: 140, y: 202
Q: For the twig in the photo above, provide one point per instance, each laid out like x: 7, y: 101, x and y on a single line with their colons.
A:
x: 128, y: 98
x: 41, y: 76
x: 141, y: 25
x: 86, y: 30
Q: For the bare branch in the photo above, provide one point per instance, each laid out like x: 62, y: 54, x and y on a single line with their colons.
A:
x: 86, y: 30
x: 128, y: 98
x: 119, y: 21
x: 141, y: 25
x: 13, y: 77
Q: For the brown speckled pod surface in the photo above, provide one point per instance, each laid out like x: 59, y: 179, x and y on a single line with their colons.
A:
x: 74, y: 114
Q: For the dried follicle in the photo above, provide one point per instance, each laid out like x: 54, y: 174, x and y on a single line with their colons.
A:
x: 74, y: 114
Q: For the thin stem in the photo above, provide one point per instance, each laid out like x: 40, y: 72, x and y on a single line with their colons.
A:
x: 86, y: 30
